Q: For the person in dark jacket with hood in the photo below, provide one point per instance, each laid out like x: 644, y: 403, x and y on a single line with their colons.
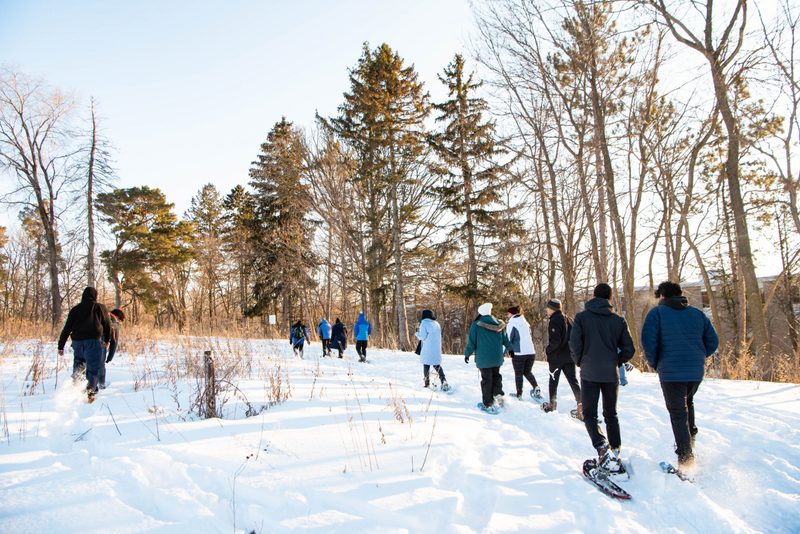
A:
x: 324, y: 333
x: 488, y: 341
x: 677, y: 339
x: 362, y: 330
x: 599, y: 343
x: 559, y: 359
x: 298, y: 335
x: 116, y: 317
x: 339, y: 336
x: 90, y: 329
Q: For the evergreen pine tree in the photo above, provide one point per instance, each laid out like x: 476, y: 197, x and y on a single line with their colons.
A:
x: 382, y: 120
x: 150, y: 246
x: 283, y: 258
x: 238, y: 239
x: 471, y: 177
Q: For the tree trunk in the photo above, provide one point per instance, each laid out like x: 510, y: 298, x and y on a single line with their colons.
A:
x: 91, y: 275
x: 744, y: 256
x: 399, y: 297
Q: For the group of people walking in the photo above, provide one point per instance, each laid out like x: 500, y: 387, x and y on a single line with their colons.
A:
x: 676, y: 338
x: 333, y: 337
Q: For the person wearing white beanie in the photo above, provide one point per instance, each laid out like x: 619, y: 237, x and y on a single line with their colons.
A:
x: 488, y: 341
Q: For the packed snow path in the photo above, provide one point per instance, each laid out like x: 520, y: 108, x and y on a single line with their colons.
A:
x: 364, y: 448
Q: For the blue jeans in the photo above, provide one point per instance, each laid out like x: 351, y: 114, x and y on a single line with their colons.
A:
x: 90, y: 352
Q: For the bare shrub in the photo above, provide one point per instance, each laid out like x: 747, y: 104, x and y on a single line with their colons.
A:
x: 36, y: 372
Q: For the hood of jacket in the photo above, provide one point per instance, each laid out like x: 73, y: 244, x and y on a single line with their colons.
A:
x: 89, y: 295
x: 489, y: 322
x: 518, y: 319
x: 362, y: 319
x: 599, y: 306
x: 676, y: 303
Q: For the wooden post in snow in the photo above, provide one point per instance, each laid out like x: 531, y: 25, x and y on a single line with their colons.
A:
x: 211, y: 385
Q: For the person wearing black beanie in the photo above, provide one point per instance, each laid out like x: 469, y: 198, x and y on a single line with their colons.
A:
x: 559, y: 360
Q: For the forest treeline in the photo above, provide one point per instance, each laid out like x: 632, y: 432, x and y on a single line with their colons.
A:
x: 579, y: 141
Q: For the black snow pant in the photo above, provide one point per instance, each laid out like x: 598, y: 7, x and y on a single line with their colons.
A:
x: 491, y: 384
x: 426, y: 371
x: 568, y: 369
x: 361, y: 349
x: 523, y: 366
x: 298, y: 349
x: 326, y: 347
x: 590, y: 395
x: 679, y: 398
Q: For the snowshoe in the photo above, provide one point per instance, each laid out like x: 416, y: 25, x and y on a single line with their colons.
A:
x: 598, y: 478
x: 548, y: 406
x: 536, y: 394
x: 493, y: 409
x: 668, y: 468
x: 611, y: 464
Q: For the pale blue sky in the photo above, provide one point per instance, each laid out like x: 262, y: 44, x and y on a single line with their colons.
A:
x: 188, y: 90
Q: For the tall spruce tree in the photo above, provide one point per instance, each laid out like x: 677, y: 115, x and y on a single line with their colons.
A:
x: 382, y: 120
x: 470, y: 186
x: 283, y: 258
x: 237, y: 241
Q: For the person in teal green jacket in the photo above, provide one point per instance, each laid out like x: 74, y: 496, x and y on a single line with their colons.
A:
x: 488, y: 341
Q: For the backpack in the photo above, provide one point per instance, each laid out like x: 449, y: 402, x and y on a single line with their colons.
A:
x: 297, y: 332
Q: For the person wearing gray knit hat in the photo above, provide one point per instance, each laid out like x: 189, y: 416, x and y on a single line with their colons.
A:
x: 554, y: 304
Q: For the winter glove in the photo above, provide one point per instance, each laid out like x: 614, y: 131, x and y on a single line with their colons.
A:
x: 108, y: 360
x: 466, y: 359
x: 629, y: 366
x: 511, y: 353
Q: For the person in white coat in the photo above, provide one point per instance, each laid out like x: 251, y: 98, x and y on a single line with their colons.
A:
x: 430, y: 348
x: 523, y: 352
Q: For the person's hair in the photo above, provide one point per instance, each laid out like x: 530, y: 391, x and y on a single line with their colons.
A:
x: 119, y: 314
x: 668, y: 289
x: 602, y: 291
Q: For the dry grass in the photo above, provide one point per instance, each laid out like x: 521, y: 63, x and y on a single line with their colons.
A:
x: 736, y: 363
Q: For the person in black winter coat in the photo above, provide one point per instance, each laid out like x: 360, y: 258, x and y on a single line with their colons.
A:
x: 559, y: 359
x: 600, y: 342
x: 339, y: 337
x: 90, y: 329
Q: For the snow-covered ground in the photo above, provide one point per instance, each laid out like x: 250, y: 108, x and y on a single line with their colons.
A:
x: 364, y: 448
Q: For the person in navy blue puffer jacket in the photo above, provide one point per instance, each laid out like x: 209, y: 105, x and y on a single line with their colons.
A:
x: 677, y: 339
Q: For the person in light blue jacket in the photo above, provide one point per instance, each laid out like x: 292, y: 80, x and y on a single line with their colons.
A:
x: 324, y: 333
x: 362, y: 331
x: 430, y: 348
x: 677, y: 339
